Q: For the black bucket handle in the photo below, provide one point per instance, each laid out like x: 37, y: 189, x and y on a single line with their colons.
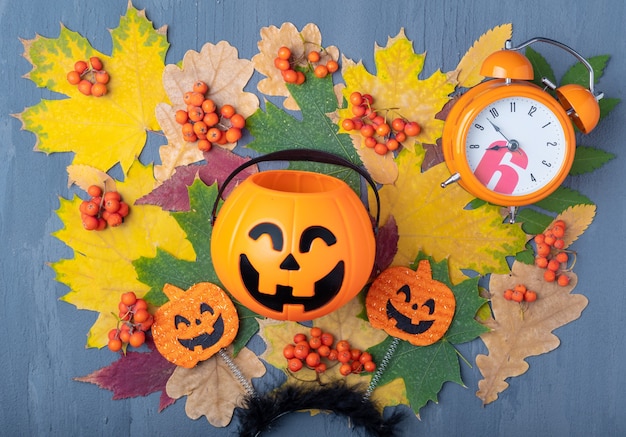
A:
x: 300, y: 155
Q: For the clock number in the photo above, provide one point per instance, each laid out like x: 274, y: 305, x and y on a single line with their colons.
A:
x: 479, y: 127
x: 551, y: 143
x: 512, y: 106
x: 532, y: 110
x: 474, y: 146
x: 494, y: 112
x: 546, y: 163
x: 533, y: 178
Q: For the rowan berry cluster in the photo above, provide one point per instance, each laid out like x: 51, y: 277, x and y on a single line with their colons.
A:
x: 203, y: 121
x: 102, y: 209
x: 287, y: 64
x: 90, y: 78
x: 520, y: 294
x: 380, y: 134
x: 551, y: 254
x: 134, y: 321
x: 318, y: 351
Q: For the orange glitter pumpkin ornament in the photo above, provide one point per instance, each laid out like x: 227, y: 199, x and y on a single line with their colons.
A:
x: 194, y: 324
x: 411, y: 305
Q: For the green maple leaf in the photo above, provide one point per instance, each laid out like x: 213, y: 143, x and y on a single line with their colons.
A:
x: 275, y: 129
x: 425, y: 369
x: 166, y: 268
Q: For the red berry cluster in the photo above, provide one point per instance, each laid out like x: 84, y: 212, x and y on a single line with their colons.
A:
x: 551, y: 253
x: 134, y: 321
x: 102, y: 210
x: 379, y: 134
x: 319, y: 350
x: 205, y: 123
x: 520, y: 294
x: 286, y: 63
x: 89, y: 81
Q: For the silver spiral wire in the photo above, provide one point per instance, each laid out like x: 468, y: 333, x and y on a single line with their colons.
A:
x: 237, y: 372
x: 381, y: 368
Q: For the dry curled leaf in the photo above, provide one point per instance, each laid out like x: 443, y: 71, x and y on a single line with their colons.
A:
x: 300, y: 43
x: 578, y: 218
x: 522, y: 330
x: 211, y: 388
x: 219, y: 66
x: 489, y: 42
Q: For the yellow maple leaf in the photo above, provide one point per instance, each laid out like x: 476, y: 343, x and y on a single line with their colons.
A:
x: 519, y: 330
x: 398, y: 92
x: 435, y: 220
x: 105, y: 130
x: 301, y: 43
x: 101, y: 269
x: 217, y: 65
x: 491, y: 41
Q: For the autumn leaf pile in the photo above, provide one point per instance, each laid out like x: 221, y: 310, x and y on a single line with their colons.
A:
x: 166, y: 238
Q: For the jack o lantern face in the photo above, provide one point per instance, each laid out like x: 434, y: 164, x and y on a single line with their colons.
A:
x: 194, y: 324
x: 323, y: 290
x: 411, y: 305
x: 293, y: 245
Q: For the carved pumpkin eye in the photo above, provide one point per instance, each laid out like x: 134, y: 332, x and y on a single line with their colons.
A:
x: 186, y: 332
x: 293, y: 245
x: 410, y: 304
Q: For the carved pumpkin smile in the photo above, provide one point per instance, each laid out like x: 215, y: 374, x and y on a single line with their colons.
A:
x: 325, y: 289
x: 204, y: 340
x: 410, y: 304
x: 404, y: 322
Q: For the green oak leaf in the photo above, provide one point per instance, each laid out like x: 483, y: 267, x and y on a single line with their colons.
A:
x: 425, y: 369
x: 275, y: 129
x: 165, y: 268
x: 541, y: 67
x: 563, y: 198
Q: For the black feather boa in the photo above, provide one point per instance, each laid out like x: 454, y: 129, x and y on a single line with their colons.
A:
x: 259, y: 413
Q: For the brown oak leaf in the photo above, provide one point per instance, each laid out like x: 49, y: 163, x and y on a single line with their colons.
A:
x: 521, y: 330
x: 211, y: 388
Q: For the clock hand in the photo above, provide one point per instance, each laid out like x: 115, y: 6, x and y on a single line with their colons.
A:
x: 512, y: 145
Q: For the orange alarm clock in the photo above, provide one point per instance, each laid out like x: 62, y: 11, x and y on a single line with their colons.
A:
x: 509, y: 141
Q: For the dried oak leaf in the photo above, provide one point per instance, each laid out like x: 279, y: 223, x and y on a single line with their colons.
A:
x: 300, y: 43
x: 577, y: 218
x: 135, y: 374
x: 219, y: 66
x: 85, y: 175
x: 211, y: 388
x: 119, y: 120
x: 518, y: 330
x: 397, y: 92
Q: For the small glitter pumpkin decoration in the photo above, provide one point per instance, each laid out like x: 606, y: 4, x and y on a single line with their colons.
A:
x: 411, y: 305
x: 194, y: 324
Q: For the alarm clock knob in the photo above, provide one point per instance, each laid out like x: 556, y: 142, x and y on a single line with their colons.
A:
x: 581, y: 106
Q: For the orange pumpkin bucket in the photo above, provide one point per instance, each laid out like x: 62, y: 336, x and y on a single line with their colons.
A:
x: 293, y: 245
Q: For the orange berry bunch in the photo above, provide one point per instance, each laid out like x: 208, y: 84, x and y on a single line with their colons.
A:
x: 102, y: 210
x: 551, y: 255
x: 91, y: 81
x: 286, y: 63
x: 380, y: 134
x: 205, y: 123
x: 520, y: 294
x: 319, y: 350
x: 134, y: 321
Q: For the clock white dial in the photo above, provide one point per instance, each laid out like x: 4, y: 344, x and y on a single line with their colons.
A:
x: 515, y: 146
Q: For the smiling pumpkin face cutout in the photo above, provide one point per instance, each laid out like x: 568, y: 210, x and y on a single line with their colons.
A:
x: 293, y: 245
x: 194, y: 324
x: 411, y: 305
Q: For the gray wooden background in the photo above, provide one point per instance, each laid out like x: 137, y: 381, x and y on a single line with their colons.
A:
x: 577, y: 390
